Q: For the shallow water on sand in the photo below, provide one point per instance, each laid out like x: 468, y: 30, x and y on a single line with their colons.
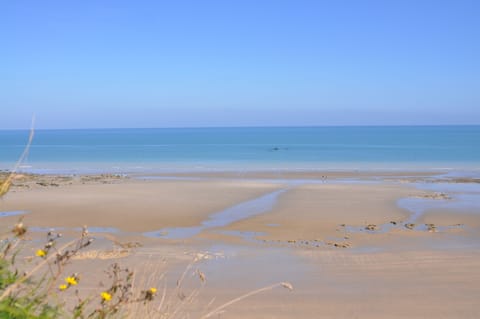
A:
x: 12, y: 213
x: 223, y: 218
x: 463, y: 197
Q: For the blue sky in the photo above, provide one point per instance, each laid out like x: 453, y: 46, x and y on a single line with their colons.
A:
x: 85, y: 64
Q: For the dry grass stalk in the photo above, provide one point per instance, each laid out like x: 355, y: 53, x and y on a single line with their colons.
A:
x: 220, y: 309
x: 5, y: 185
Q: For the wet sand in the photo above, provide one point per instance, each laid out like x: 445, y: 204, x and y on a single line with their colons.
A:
x: 314, y: 236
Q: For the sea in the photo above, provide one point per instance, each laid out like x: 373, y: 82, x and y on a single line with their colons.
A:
x: 244, y: 149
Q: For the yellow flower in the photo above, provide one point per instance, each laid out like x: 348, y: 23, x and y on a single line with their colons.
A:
x: 41, y: 253
x: 62, y: 287
x: 153, y: 290
x: 106, y: 296
x: 71, y: 281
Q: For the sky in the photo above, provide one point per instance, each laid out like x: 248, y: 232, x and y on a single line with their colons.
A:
x: 103, y: 64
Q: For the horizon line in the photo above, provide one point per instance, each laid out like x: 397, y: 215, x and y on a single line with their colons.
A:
x: 239, y: 126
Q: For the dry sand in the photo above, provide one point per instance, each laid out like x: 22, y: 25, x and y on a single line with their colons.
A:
x: 309, y: 212
x: 130, y: 205
x: 399, y: 273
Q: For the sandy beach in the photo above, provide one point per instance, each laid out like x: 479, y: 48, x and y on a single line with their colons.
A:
x: 352, y: 244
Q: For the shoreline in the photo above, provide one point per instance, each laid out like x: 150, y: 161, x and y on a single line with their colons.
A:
x: 255, y: 172
x: 243, y: 167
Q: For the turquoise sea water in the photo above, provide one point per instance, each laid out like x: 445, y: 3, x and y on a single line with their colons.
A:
x: 173, y: 149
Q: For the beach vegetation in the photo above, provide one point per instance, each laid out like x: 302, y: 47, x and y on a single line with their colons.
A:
x: 36, y: 287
